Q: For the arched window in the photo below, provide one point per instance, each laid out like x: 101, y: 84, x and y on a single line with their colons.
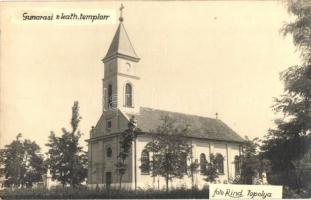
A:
x: 109, y: 152
x: 128, y: 95
x: 109, y: 96
x: 220, y: 163
x: 202, y: 163
x: 145, y: 162
x: 237, y: 165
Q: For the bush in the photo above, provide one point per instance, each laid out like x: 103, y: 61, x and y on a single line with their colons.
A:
x: 84, y: 193
x: 296, y: 194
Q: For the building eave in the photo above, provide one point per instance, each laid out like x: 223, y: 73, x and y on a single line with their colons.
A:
x: 201, y: 138
x: 102, y: 137
x: 120, y: 55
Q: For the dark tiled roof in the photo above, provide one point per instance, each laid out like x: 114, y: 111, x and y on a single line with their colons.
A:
x: 201, y: 127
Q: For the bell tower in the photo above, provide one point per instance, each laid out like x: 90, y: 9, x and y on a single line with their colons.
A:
x: 120, y: 73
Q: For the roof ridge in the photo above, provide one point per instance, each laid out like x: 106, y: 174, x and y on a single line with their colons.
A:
x: 117, y: 34
x: 114, y: 43
x: 175, y: 112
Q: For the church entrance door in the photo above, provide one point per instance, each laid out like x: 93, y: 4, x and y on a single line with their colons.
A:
x: 108, y: 180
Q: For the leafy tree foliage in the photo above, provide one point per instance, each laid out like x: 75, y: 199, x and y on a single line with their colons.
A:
x: 193, y: 168
x: 211, y: 172
x: 249, y: 161
x: 23, y: 163
x: 170, y: 149
x: 126, y: 142
x: 288, y: 143
x: 66, y: 160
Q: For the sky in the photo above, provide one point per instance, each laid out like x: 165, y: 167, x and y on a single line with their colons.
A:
x: 196, y: 57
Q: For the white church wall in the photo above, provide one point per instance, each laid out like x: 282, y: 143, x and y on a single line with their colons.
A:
x: 143, y: 180
x: 127, y: 67
x: 102, y: 164
x: 220, y: 147
x: 234, y: 150
x: 228, y: 150
x: 199, y: 147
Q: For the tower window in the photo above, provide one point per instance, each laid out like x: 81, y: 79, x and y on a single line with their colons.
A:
x: 128, y: 95
x: 109, y: 124
x: 109, y: 96
x: 109, y: 152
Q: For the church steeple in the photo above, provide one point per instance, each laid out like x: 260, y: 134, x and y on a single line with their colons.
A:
x: 120, y: 73
x: 121, y: 45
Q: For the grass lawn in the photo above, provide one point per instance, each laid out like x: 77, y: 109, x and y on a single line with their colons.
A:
x: 83, y: 193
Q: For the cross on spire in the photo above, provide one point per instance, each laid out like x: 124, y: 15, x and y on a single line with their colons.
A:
x: 121, y: 13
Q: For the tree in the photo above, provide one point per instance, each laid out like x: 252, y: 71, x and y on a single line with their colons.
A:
x: 66, y: 159
x: 287, y: 144
x: 127, y: 138
x: 23, y: 163
x: 249, y: 161
x: 193, y: 168
x: 211, y: 171
x: 170, y: 149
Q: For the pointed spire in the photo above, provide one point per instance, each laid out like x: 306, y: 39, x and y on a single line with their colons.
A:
x: 121, y: 45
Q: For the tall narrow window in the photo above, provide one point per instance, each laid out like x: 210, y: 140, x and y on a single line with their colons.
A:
x: 109, y: 96
x: 220, y: 163
x: 145, y: 162
x: 109, y: 125
x: 128, y: 95
x: 184, y: 162
x: 202, y: 163
x: 237, y: 165
x: 105, y: 102
x: 109, y: 152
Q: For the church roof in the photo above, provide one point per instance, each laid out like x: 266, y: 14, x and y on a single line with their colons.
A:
x: 201, y: 127
x: 121, y: 45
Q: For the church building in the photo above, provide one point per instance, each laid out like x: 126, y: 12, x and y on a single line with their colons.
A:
x: 120, y: 104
